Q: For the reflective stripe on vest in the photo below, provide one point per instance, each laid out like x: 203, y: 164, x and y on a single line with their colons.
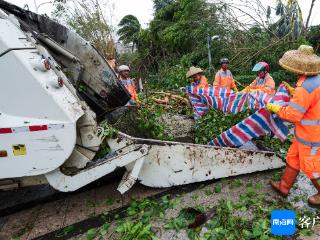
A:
x: 260, y: 81
x: 127, y: 82
x: 308, y: 143
x: 225, y: 74
x: 310, y: 122
x: 311, y: 83
x: 297, y: 107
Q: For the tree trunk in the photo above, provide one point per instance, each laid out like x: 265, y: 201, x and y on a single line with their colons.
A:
x: 309, y: 15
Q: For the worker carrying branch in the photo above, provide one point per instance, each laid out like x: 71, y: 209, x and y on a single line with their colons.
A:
x: 129, y: 84
x: 224, y: 77
x: 264, y: 82
x: 199, y: 80
x: 304, y: 111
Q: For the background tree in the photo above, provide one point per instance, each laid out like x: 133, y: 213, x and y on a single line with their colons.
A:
x: 310, y: 12
x: 177, y: 38
x: 313, y: 37
x: 159, y: 4
x: 291, y: 21
x: 88, y: 20
x: 129, y: 30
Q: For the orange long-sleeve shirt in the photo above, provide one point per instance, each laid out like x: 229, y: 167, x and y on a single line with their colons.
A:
x: 224, y: 79
x: 266, y: 85
x: 202, y: 83
x: 304, y: 110
x: 130, y: 86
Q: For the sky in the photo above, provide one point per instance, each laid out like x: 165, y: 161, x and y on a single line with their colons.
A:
x: 143, y: 10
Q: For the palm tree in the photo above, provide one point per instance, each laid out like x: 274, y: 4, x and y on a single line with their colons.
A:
x: 159, y: 4
x: 129, y: 30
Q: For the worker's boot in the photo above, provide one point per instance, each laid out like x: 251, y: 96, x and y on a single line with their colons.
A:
x: 289, y: 176
x: 314, y: 201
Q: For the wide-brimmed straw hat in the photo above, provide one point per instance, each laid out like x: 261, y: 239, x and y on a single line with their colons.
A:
x: 301, y: 61
x: 193, y: 70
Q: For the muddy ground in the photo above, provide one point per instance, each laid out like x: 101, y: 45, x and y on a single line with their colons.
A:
x: 63, y: 215
x: 210, y: 195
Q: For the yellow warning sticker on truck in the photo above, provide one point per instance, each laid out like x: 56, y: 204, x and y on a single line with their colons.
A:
x: 19, y: 149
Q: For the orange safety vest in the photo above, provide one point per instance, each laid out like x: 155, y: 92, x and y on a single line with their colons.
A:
x: 131, y: 87
x: 266, y: 85
x: 304, y: 111
x: 224, y: 79
x: 202, y: 83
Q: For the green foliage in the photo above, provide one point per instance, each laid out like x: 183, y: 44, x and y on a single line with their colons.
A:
x: 168, y: 77
x: 217, y: 188
x: 149, y: 116
x: 138, y: 230
x: 109, y: 201
x: 148, y: 208
x: 148, y: 122
x: 290, y: 21
x: 129, y: 29
x: 216, y: 122
x: 183, y: 219
x: 160, y: 4
x: 69, y: 229
x: 246, y: 218
x: 87, y: 19
x: 178, y: 31
x: 91, y: 234
x: 177, y: 38
x: 108, y: 132
x: 141, y: 212
x: 104, y: 229
x: 275, y: 145
x: 313, y: 36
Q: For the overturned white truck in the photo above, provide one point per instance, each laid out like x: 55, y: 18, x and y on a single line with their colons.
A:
x: 49, y: 130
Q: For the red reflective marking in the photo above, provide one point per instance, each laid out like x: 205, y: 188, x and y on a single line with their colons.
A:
x: 3, y: 153
x: 38, y: 128
x: 5, y: 130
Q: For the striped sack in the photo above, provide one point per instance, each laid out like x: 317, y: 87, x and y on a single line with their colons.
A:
x: 202, y: 99
x: 256, y: 125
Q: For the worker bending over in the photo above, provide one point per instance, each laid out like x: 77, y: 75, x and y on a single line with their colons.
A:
x: 129, y: 84
x: 304, y: 111
x: 264, y: 82
x: 224, y: 77
x: 199, y: 80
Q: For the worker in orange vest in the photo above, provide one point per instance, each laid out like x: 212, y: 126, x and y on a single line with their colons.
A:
x: 264, y: 82
x: 304, y: 111
x: 199, y: 80
x: 129, y: 84
x: 224, y: 77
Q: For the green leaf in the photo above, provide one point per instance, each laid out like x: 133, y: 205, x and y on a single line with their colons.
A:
x: 91, y: 234
x: 257, y: 231
x: 69, y: 229
x: 109, y: 201
x: 217, y: 188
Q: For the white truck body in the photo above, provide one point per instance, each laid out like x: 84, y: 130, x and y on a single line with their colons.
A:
x: 46, y: 127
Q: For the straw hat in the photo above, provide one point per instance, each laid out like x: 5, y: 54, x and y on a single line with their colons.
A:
x: 193, y: 70
x: 301, y: 61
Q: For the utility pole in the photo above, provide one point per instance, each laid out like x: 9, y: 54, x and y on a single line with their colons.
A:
x: 209, y: 40
x: 209, y: 55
